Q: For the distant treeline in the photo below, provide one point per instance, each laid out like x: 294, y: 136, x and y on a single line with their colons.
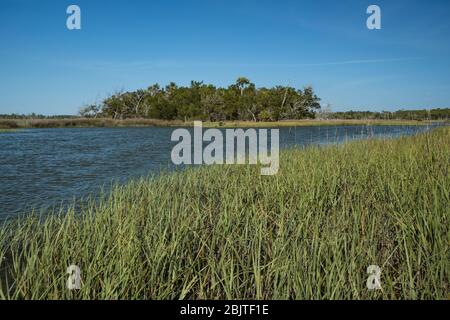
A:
x: 35, y: 116
x: 430, y: 114
x: 239, y: 101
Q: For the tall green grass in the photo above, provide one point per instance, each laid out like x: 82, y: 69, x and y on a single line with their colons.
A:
x: 225, y: 232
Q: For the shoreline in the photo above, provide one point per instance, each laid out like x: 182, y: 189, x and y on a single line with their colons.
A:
x: 7, y: 125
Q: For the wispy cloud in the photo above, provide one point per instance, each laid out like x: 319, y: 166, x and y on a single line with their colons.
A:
x: 366, y: 61
x: 147, y: 65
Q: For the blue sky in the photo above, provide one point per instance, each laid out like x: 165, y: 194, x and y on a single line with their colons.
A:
x: 45, y: 68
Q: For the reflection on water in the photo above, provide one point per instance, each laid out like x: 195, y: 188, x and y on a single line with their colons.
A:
x: 40, y: 168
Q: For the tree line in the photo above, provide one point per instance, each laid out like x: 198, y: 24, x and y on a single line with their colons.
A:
x: 420, y: 115
x: 200, y: 101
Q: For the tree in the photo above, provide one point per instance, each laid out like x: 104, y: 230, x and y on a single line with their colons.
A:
x: 242, y: 83
x: 113, y: 105
x: 90, y: 111
x: 325, y: 113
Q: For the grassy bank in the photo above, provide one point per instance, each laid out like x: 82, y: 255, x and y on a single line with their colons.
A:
x: 106, y: 122
x: 83, y: 122
x: 309, y: 232
x: 313, y: 122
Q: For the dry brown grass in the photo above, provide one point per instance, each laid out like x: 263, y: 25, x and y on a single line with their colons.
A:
x: 137, y: 122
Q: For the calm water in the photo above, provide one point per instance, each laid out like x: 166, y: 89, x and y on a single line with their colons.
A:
x: 40, y: 168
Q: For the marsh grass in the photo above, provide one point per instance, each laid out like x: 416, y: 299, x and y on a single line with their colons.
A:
x: 141, y: 122
x: 83, y: 123
x: 315, y: 122
x: 225, y: 232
